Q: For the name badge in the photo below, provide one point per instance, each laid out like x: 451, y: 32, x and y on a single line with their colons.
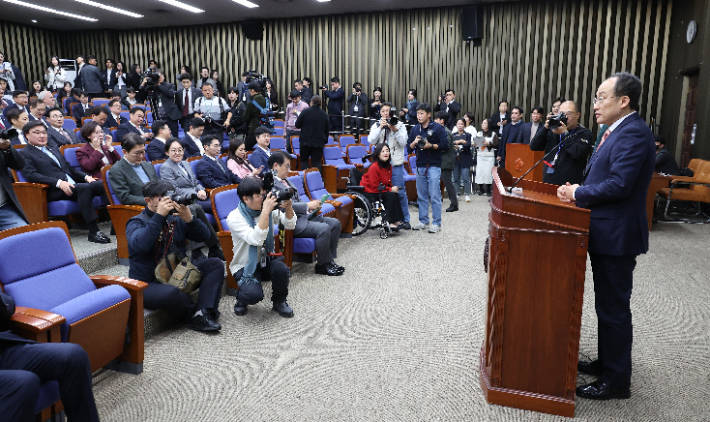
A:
x: 355, y: 109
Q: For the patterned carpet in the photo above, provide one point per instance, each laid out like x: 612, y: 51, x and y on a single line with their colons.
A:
x: 397, y: 339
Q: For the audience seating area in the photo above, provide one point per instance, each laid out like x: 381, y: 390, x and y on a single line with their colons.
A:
x: 695, y: 189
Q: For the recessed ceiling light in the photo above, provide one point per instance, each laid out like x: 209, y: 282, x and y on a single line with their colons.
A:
x: 247, y: 3
x: 48, y: 10
x: 322, y: 1
x: 34, y: 21
x: 183, y: 6
x: 110, y: 8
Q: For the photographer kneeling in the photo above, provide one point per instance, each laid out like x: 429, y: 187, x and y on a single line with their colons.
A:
x: 252, y: 228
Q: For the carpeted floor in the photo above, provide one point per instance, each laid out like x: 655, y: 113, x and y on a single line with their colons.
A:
x: 397, y: 339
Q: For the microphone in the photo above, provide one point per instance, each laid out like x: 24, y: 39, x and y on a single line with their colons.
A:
x: 510, y: 189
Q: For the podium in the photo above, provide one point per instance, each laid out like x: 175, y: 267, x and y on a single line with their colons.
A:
x: 535, y: 256
x: 519, y: 158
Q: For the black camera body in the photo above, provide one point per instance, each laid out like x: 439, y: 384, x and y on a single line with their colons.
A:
x: 323, y: 87
x: 358, y: 89
x: 556, y: 121
x: 279, y: 192
x: 8, y: 133
x: 393, y: 121
x: 258, y: 77
x: 422, y: 142
x: 182, y: 199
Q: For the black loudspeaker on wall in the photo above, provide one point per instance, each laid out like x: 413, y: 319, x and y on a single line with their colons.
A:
x: 253, y: 30
x: 472, y: 23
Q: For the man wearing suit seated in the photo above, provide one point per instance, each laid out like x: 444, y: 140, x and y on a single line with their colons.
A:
x: 615, y: 189
x: 79, y: 110
x: 261, y: 154
x: 533, y: 127
x: 191, y: 140
x: 99, y: 115
x: 37, y: 109
x: 11, y: 212
x: 20, y: 100
x: 156, y: 148
x: 211, y: 171
x: 47, y: 165
x: 134, y: 125
x: 114, y: 118
x: 56, y: 134
x: 25, y: 364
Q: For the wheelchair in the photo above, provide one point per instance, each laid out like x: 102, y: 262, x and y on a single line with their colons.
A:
x: 367, y: 215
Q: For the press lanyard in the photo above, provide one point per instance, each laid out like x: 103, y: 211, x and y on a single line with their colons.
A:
x: 562, y: 144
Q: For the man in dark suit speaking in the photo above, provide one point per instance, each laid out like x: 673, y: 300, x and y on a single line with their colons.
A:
x: 615, y: 188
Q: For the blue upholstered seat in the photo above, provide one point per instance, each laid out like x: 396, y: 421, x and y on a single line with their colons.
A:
x: 346, y: 140
x: 314, y: 181
x: 334, y: 157
x: 64, y: 206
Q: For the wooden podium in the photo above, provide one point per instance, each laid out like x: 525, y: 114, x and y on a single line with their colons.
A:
x: 535, y: 256
x: 519, y: 158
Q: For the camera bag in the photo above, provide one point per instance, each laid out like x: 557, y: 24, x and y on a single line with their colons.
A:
x: 176, y: 269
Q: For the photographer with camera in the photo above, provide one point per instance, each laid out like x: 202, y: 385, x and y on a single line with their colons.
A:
x: 255, y: 261
x: 428, y: 140
x: 391, y: 131
x: 155, y: 88
x: 571, y: 141
x: 165, y: 225
x: 447, y: 102
x: 357, y: 109
x: 325, y: 230
x: 213, y: 110
x: 335, y: 104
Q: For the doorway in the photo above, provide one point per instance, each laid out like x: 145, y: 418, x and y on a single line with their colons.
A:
x: 689, y: 125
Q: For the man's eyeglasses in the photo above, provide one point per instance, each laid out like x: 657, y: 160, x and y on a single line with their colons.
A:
x: 138, y: 153
x: 599, y: 100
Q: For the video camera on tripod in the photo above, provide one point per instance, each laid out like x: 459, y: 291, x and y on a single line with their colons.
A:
x: 153, y: 79
x: 253, y: 76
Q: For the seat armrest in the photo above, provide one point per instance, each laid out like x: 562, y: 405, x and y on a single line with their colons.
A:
x: 33, y: 198
x: 127, y: 283
x: 35, y: 324
x: 680, y: 179
x: 336, y: 204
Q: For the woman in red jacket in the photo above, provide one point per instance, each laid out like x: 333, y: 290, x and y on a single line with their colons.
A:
x: 380, y: 173
x: 98, y: 150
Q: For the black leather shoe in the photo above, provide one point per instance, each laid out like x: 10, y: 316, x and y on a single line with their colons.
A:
x: 338, y: 267
x: 204, y: 323
x: 328, y: 270
x: 590, y: 368
x: 598, y: 390
x: 216, y: 252
x: 240, y: 308
x: 99, y: 237
x: 452, y: 209
x: 480, y: 193
x: 113, y: 231
x: 406, y: 226
x: 214, y: 315
x: 283, y: 309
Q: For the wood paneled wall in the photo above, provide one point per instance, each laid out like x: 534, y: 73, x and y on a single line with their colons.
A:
x: 28, y: 48
x: 531, y: 52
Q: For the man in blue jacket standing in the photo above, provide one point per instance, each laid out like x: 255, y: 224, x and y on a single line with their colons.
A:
x: 335, y: 104
x: 615, y: 188
x: 429, y: 140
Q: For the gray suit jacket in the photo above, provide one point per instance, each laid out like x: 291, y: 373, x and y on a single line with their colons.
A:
x: 92, y: 79
x: 55, y: 139
x: 126, y: 184
x: 184, y: 184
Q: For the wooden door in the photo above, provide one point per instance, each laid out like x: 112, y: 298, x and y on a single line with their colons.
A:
x: 688, y: 126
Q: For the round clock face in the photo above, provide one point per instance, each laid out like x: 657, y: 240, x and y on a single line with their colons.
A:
x: 692, y: 31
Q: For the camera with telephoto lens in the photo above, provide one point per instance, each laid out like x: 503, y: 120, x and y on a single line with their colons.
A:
x: 393, y: 120
x: 182, y: 198
x: 253, y: 76
x: 8, y: 133
x: 556, y: 121
x: 281, y: 193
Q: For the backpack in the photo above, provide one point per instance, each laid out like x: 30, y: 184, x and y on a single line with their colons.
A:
x: 222, y: 112
x: 266, y: 115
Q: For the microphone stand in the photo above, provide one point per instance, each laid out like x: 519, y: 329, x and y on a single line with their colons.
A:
x: 510, y: 189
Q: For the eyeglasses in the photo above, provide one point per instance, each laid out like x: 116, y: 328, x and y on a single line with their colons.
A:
x: 177, y: 151
x: 138, y: 153
x: 599, y: 100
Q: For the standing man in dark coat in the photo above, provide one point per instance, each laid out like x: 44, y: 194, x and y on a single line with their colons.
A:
x: 511, y: 134
x: 335, y: 104
x: 450, y: 106
x: 500, y: 119
x: 313, y: 123
x: 575, y: 144
x: 358, y: 108
x: 11, y: 213
x: 615, y: 189
x: 92, y: 79
x: 533, y: 127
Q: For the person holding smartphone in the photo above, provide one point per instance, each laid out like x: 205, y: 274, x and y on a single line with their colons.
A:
x: 97, y: 152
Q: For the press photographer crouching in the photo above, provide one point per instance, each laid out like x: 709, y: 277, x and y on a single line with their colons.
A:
x: 252, y: 228
x: 159, y: 232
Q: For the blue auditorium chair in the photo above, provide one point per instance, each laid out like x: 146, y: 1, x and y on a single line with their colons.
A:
x: 315, y: 189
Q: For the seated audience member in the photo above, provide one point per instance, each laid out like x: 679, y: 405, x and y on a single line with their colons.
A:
x: 130, y: 99
x: 252, y: 228
x: 211, y: 170
x: 260, y: 157
x: 48, y: 99
x: 20, y: 100
x: 134, y: 125
x: 161, y: 133
x: 191, y: 140
x: 114, y: 118
x: 25, y: 365
x: 380, y: 174
x: 79, y: 110
x: 11, y: 212
x: 237, y: 160
x: 179, y: 174
x: 47, y: 165
x: 97, y: 152
x: 37, y: 109
x: 99, y: 115
x: 325, y: 230
x: 150, y: 236
x: 73, y: 99
x: 128, y: 175
x: 17, y: 118
x: 65, y: 92
x: 665, y: 163
x: 56, y: 134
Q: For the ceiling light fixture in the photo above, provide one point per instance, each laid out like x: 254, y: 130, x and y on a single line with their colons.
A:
x: 246, y: 3
x: 48, y: 10
x: 34, y: 21
x: 322, y: 1
x: 183, y: 6
x: 110, y: 8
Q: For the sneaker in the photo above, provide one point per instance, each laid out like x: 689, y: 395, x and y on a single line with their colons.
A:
x: 467, y: 198
x: 419, y: 226
x: 434, y: 228
x: 283, y: 309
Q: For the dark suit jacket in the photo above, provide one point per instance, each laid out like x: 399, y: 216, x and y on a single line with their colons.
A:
x: 78, y: 83
x: 524, y: 135
x: 39, y: 168
x: 362, y: 105
x: 335, y: 101
x: 126, y: 128
x: 495, y: 118
x: 214, y: 173
x: 126, y: 184
x: 180, y: 97
x: 313, y: 123
x: 191, y: 150
x: 7, y: 309
x: 108, y: 86
x: 92, y: 79
x: 572, y: 157
x: 259, y: 158
x: 91, y: 160
x: 166, y: 91
x: 155, y: 150
x: 453, y: 110
x: 12, y: 159
x: 77, y: 111
x: 55, y: 139
x: 20, y: 83
x: 665, y: 163
x: 111, y: 122
x: 615, y: 189
x: 10, y: 107
x: 510, y: 136
x: 306, y: 95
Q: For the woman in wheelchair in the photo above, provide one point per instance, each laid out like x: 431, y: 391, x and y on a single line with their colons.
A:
x: 377, y: 183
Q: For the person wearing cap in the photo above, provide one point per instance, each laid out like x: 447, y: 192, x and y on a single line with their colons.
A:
x: 293, y: 110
